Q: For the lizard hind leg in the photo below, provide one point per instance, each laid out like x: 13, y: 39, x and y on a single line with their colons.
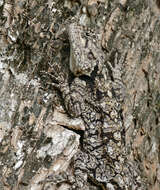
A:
x: 80, y: 171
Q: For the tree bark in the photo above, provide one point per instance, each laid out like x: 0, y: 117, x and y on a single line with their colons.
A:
x: 37, y: 136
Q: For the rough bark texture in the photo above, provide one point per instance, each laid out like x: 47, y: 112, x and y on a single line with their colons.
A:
x: 40, y: 130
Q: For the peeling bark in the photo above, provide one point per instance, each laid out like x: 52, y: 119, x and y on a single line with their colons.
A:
x: 36, y: 146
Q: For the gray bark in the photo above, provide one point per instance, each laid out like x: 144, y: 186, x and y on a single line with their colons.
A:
x: 36, y: 136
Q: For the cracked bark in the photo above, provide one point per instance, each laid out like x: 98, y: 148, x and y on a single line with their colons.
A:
x: 32, y: 116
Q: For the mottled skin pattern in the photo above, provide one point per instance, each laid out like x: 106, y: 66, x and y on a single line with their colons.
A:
x: 85, y: 49
x: 97, y: 100
x: 101, y: 153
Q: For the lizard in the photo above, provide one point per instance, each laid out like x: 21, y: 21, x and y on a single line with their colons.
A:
x: 93, y: 95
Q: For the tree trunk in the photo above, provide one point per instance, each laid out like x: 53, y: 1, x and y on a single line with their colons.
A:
x: 71, y: 71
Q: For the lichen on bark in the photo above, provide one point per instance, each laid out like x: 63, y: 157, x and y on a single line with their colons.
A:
x: 36, y: 145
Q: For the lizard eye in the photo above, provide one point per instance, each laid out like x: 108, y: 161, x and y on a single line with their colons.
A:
x: 90, y: 55
x: 99, y: 94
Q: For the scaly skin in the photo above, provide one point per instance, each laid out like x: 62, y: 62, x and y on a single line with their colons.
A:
x: 97, y: 99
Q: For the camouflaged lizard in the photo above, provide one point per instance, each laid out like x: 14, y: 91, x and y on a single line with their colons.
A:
x: 96, y: 97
